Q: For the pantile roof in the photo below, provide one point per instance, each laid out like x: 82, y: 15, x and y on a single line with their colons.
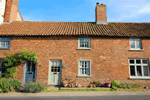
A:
x: 33, y: 28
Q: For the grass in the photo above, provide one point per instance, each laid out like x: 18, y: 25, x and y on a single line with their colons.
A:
x: 134, y: 90
x: 76, y: 90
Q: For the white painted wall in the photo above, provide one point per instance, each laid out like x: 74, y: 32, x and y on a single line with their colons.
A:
x: 2, y: 9
x: 18, y: 17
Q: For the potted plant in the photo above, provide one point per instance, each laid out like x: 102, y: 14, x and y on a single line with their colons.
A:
x: 65, y: 83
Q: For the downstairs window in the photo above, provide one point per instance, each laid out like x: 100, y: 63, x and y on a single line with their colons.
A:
x: 139, y: 68
x: 3, y: 69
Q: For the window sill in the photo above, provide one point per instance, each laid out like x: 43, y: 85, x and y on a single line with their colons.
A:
x: 139, y: 78
x: 83, y: 48
x: 136, y: 50
x: 4, y: 48
x: 84, y: 76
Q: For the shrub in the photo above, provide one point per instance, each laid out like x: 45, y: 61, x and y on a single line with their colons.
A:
x: 121, y: 86
x: 7, y: 85
x: 97, y: 84
x: 34, y: 87
x: 115, y: 83
x: 65, y: 83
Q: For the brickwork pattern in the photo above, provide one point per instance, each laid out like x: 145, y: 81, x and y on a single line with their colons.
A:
x: 101, y: 13
x: 109, y: 57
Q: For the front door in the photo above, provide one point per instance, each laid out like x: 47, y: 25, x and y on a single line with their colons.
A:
x: 30, y: 72
x: 55, y: 72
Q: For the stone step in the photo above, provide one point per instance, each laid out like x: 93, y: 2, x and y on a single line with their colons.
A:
x: 52, y: 87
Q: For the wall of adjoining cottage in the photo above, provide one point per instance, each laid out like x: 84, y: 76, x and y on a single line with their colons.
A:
x: 2, y: 10
x: 109, y: 57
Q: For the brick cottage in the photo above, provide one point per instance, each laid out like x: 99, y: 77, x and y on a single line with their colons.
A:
x: 81, y: 51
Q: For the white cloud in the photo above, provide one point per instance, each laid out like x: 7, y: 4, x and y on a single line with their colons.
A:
x: 145, y: 9
x: 125, y: 9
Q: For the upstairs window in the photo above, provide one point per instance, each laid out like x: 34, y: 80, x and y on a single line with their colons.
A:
x: 5, y: 43
x: 84, y: 43
x: 135, y: 44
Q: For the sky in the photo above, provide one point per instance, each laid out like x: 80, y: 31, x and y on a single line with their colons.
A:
x: 84, y: 10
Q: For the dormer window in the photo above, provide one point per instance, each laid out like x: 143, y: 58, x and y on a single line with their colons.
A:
x: 135, y: 44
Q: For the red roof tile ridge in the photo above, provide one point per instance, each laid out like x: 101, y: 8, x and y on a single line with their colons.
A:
x: 129, y: 22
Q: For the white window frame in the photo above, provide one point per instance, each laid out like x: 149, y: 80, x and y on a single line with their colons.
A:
x: 84, y: 75
x: 142, y: 70
x: 3, y: 39
x: 89, y: 41
x: 140, y: 44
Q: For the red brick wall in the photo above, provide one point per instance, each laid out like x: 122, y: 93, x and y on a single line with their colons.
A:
x: 101, y: 13
x: 114, y: 66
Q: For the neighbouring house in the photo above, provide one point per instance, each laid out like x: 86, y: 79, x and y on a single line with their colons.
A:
x: 81, y: 51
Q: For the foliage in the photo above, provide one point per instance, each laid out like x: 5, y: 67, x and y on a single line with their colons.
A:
x: 115, y: 84
x: 11, y: 72
x: 65, y: 83
x: 12, y: 60
x: 91, y: 85
x: 34, y: 87
x: 97, y: 84
x: 7, y: 85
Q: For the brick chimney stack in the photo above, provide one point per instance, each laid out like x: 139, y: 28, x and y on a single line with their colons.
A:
x: 100, y: 14
x: 11, y: 11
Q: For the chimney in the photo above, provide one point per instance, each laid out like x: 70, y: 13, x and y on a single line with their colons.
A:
x: 12, y: 12
x: 100, y: 14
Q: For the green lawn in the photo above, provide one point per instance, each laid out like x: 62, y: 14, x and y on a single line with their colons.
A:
x: 84, y: 90
x: 76, y: 90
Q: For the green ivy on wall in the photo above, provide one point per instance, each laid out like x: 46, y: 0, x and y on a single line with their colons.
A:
x: 20, y: 57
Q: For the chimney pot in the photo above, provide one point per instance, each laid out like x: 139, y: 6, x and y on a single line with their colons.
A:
x: 97, y: 3
x: 101, y: 4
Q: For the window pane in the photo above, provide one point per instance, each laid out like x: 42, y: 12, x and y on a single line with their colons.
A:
x: 83, y: 64
x: 81, y: 44
x: 132, y: 70
x: 52, y: 70
x: 28, y: 65
x: 137, y: 43
x: 82, y: 70
x: 4, y: 70
x: 132, y: 43
x: 58, y: 69
x: 144, y: 61
x: 0, y: 63
x: 86, y: 44
x: 131, y: 61
x: 86, y: 39
x: 88, y: 71
x: 138, y: 61
x: 82, y: 40
x: 139, y: 72
x: 145, y: 69
x: 55, y: 70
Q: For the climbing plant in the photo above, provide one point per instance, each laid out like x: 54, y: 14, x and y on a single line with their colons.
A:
x: 20, y: 57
